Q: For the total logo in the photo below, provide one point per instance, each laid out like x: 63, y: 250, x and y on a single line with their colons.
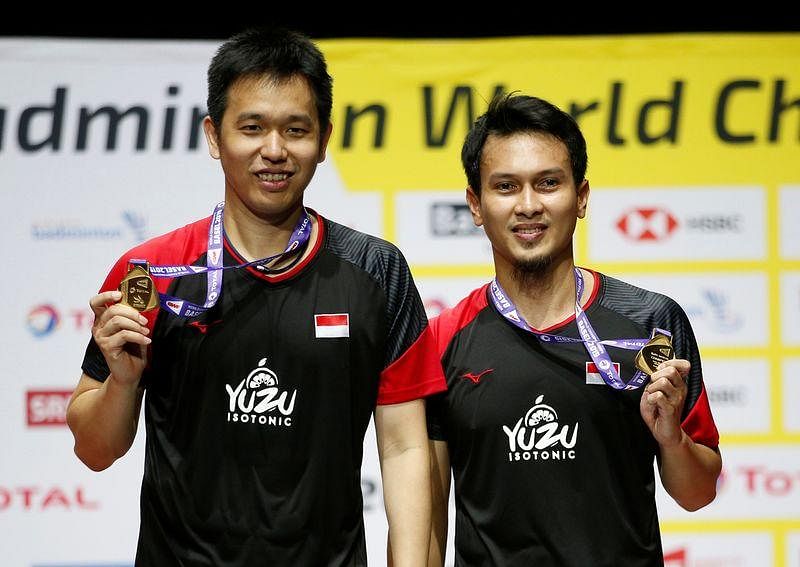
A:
x: 41, y: 498
x: 257, y: 399
x: 657, y: 224
x: 763, y: 481
x: 538, y: 436
x: 45, y: 319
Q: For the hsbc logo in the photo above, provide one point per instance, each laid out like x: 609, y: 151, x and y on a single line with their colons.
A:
x: 658, y: 224
x: 647, y: 224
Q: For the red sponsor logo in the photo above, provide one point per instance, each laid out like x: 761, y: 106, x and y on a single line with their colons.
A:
x: 761, y: 481
x: 675, y: 558
x: 47, y: 407
x: 203, y: 327
x: 434, y: 306
x: 41, y: 498
x: 476, y: 378
x: 647, y: 224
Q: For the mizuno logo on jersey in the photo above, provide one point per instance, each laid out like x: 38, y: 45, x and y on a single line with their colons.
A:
x: 203, y: 327
x: 331, y: 325
x: 476, y: 378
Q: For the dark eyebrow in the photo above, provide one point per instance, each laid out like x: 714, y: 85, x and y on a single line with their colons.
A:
x: 249, y: 116
x: 505, y: 175
x: 552, y: 171
x: 304, y: 118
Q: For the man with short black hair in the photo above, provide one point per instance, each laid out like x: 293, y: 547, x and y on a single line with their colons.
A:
x: 564, y: 384
x: 259, y: 393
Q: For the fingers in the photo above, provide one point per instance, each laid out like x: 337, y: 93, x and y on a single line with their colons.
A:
x: 120, y: 321
x: 99, y: 302
x: 667, y: 387
x: 681, y: 365
x: 105, y: 314
x: 117, y: 343
x: 116, y: 324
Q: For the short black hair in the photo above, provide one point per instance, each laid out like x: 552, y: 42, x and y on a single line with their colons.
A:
x: 277, y: 53
x: 515, y: 113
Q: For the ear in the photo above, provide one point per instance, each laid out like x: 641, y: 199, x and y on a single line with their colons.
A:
x: 323, y: 147
x: 583, y: 198
x: 474, y: 203
x: 211, y: 137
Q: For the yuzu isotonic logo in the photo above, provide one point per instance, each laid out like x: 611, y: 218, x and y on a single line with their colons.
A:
x: 538, y: 436
x: 257, y: 399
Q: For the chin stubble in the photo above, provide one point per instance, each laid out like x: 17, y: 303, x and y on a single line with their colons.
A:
x: 529, y: 271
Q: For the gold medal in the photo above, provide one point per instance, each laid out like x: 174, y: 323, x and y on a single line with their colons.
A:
x: 656, y: 351
x: 138, y: 289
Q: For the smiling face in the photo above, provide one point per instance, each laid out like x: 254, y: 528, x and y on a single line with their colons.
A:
x: 269, y: 144
x: 528, y: 203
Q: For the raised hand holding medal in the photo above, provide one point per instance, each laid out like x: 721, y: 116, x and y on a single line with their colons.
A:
x: 657, y: 350
x: 137, y: 287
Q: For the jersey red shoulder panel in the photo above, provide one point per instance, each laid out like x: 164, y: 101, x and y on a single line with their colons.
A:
x: 417, y: 373
x: 699, y: 425
x: 450, y: 321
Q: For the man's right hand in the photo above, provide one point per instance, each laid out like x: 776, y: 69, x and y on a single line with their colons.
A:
x: 121, y: 333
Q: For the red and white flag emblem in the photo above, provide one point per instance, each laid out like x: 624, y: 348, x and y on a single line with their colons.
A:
x: 593, y: 375
x: 332, y: 325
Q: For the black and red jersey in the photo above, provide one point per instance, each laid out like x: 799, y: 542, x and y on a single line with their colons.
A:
x: 256, y: 411
x: 550, y: 465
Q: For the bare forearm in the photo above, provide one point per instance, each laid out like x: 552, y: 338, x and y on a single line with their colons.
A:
x: 689, y: 473
x: 440, y: 494
x: 103, y: 421
x: 406, y: 489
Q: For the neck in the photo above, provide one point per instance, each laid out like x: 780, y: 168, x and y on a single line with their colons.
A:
x: 255, y: 237
x: 547, y: 297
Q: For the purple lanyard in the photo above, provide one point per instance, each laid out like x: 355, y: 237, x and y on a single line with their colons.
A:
x: 214, y: 267
x: 589, y: 337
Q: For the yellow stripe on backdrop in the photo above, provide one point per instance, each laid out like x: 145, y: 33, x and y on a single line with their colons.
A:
x: 717, y: 112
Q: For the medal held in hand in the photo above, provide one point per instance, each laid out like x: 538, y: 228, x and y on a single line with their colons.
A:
x: 656, y: 351
x: 138, y: 289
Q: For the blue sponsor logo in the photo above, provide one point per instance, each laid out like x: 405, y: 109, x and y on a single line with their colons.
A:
x: 43, y: 320
x: 716, y: 309
x: 132, y: 226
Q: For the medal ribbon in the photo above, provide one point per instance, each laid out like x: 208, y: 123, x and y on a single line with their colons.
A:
x: 214, y: 268
x: 594, y: 345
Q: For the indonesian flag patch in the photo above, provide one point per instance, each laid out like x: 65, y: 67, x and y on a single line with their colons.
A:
x: 332, y: 325
x: 593, y: 375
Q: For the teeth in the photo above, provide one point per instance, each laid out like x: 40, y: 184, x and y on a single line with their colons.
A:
x: 272, y: 176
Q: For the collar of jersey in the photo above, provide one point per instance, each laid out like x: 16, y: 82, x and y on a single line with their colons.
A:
x: 294, y: 270
x: 586, y: 306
